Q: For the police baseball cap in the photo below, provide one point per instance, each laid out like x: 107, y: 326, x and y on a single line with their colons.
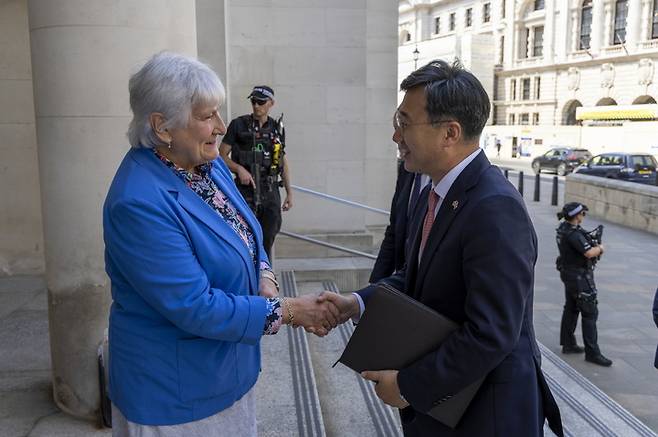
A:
x: 572, y: 209
x: 261, y: 92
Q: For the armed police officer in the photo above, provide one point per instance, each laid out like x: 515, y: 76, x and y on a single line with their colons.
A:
x: 256, y: 144
x: 579, y: 251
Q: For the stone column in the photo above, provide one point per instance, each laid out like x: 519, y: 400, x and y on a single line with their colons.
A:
x: 549, y: 32
x: 575, y: 30
x: 646, y: 20
x: 632, y: 29
x: 607, y: 25
x: 82, y: 55
x: 598, y: 26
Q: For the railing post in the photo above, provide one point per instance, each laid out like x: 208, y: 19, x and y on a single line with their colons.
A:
x: 521, y: 182
x: 536, y: 196
x: 554, y: 192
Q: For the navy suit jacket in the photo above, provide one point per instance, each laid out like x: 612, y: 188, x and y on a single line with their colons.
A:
x: 478, y: 270
x: 655, y: 320
x: 391, y: 255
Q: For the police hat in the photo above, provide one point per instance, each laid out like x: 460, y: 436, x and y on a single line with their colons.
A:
x: 572, y: 209
x: 262, y: 92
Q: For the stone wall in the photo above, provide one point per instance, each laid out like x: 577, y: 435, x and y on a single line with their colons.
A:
x: 626, y: 203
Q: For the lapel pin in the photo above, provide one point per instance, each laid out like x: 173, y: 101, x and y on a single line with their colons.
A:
x: 455, y: 204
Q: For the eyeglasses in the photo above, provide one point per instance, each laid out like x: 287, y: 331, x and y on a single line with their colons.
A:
x: 401, y: 124
x: 258, y: 102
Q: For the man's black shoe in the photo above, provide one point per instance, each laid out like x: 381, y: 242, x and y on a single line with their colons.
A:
x: 573, y: 349
x: 599, y: 359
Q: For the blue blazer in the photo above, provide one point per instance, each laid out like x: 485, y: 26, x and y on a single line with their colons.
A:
x: 478, y: 270
x: 186, y: 318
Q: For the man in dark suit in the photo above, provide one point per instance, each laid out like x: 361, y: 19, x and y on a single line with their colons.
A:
x: 655, y: 320
x: 473, y: 261
x: 391, y: 256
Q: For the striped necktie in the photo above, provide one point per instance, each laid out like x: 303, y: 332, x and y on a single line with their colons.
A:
x: 432, y: 201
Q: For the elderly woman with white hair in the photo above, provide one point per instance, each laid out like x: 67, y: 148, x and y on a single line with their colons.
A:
x: 192, y: 288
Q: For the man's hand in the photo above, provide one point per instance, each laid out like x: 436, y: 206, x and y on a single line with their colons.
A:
x: 245, y: 177
x: 348, y: 306
x: 287, y: 204
x: 386, y: 387
x: 316, y: 316
x: 267, y: 288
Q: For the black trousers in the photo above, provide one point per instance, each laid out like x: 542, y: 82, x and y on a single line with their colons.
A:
x: 580, y: 297
x: 268, y: 213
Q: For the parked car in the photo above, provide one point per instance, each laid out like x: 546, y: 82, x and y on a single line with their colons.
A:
x: 632, y: 167
x: 561, y: 160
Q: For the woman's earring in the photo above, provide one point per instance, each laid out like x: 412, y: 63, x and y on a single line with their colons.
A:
x: 169, y: 145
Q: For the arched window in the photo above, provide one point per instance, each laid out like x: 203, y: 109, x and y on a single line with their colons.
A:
x: 569, y: 113
x: 621, y: 11
x: 586, y: 24
x: 606, y: 101
x: 644, y: 100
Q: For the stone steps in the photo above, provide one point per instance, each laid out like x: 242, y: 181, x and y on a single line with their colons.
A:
x: 300, y: 393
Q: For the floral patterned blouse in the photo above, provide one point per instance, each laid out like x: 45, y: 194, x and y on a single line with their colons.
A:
x: 203, y: 185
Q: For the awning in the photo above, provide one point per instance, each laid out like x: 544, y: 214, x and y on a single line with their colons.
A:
x: 617, y: 112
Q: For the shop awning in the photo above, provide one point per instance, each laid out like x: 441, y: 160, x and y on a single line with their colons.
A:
x: 618, y: 112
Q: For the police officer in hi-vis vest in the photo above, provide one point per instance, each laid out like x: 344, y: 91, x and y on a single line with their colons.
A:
x: 256, y: 144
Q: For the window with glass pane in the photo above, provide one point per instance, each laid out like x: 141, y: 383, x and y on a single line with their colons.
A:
x: 512, y: 119
x: 486, y: 12
x: 586, y: 25
x: 523, y: 48
x: 502, y: 10
x: 539, y: 4
x: 621, y: 11
x: 513, y: 86
x: 654, y: 24
x: 535, y: 118
x: 524, y: 119
x: 502, y: 49
x: 437, y: 25
x: 538, y: 43
x: 525, y: 89
x: 469, y: 17
x: 452, y: 21
x: 537, y: 87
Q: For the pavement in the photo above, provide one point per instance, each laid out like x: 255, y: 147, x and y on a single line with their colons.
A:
x: 626, y: 277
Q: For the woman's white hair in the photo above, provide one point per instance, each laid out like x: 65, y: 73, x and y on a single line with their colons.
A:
x: 173, y: 85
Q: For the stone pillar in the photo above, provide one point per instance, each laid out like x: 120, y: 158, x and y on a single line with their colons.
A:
x: 646, y: 20
x: 607, y: 25
x: 549, y: 32
x: 632, y: 29
x: 575, y: 30
x: 598, y: 27
x: 82, y: 55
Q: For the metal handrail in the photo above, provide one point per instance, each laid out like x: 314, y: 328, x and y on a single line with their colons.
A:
x: 340, y: 200
x: 329, y: 245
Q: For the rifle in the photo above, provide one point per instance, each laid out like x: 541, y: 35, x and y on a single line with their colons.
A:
x: 595, y: 237
x: 255, y: 161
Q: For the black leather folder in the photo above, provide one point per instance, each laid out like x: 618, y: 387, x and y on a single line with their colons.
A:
x: 387, y: 338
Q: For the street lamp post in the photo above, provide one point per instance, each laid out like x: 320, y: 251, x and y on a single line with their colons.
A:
x: 416, y: 53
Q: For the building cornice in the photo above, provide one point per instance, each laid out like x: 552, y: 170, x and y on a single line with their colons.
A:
x: 539, y: 68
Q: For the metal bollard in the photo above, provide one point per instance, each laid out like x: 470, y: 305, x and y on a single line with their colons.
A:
x: 536, y: 196
x: 521, y: 183
x: 554, y: 192
x: 506, y: 173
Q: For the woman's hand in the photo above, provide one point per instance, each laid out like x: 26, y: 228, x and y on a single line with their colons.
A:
x: 268, y: 288
x: 315, y: 315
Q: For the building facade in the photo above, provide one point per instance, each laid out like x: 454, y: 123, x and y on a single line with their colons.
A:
x: 550, y: 58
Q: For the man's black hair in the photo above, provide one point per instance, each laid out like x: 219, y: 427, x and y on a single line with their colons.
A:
x: 452, y: 93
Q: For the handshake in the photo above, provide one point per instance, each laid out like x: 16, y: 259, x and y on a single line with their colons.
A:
x: 319, y: 314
